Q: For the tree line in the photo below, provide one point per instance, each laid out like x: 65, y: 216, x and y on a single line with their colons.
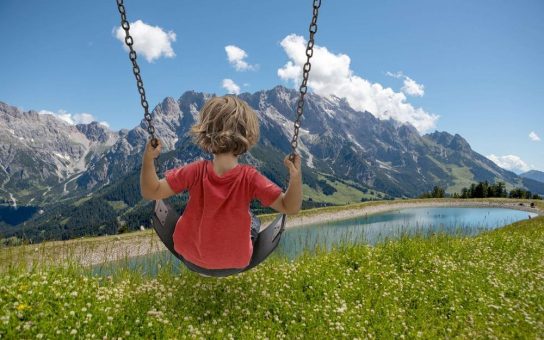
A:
x: 482, y: 190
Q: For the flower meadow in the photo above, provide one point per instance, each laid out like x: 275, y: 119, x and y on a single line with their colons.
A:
x: 488, y: 286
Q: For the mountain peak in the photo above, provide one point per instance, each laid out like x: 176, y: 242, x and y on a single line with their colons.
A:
x: 167, y: 110
x: 94, y: 131
x: 454, y: 142
x: 8, y: 108
x: 283, y: 95
x: 194, y: 96
x: 440, y: 137
x: 460, y: 144
x: 282, y: 89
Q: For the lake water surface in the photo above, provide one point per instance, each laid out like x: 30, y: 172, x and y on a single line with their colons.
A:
x: 366, y: 229
x: 15, y: 215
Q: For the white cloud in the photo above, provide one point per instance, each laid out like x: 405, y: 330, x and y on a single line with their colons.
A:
x: 73, y: 119
x: 534, y: 137
x: 397, y: 75
x: 510, y: 162
x: 231, y: 86
x: 331, y: 75
x: 60, y: 114
x: 150, y: 41
x: 236, y: 56
x: 83, y: 118
x: 411, y: 87
x: 104, y: 123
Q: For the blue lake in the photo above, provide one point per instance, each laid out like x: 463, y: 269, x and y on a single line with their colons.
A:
x: 369, y: 229
x: 14, y: 216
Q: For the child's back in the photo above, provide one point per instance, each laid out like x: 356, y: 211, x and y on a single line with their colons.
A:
x: 213, y: 232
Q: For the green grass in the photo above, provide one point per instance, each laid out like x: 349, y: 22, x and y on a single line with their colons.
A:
x: 81, y: 201
x: 118, y: 205
x: 344, y: 194
x: 463, y: 178
x: 440, y: 165
x: 489, y: 286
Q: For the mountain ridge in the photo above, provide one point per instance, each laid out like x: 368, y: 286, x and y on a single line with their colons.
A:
x: 348, y: 155
x: 535, y: 175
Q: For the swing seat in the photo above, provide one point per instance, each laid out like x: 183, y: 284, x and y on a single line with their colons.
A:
x: 164, y: 222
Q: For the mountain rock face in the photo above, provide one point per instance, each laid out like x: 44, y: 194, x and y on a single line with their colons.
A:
x: 40, y: 151
x: 96, y: 132
x: 48, y: 163
x: 41, y: 155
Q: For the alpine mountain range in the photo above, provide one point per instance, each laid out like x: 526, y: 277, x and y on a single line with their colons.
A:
x: 348, y: 155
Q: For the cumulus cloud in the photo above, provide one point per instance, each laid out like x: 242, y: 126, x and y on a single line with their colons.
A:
x: 534, y: 137
x: 236, y: 56
x: 152, y: 42
x: 60, y: 114
x: 73, y: 119
x: 331, y: 75
x: 510, y: 162
x: 231, y: 86
x: 83, y: 118
x: 410, y: 86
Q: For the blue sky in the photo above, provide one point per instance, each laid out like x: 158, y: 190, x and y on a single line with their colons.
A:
x: 475, y: 66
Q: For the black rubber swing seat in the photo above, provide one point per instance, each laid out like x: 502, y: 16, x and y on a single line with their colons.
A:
x: 164, y: 222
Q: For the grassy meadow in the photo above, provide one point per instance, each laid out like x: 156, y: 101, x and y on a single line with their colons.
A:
x: 489, y: 286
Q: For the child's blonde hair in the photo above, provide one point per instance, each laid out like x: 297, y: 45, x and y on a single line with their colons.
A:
x: 226, y: 124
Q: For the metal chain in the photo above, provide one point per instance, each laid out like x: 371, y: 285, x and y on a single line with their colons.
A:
x: 305, y: 73
x: 303, y: 89
x: 136, y: 70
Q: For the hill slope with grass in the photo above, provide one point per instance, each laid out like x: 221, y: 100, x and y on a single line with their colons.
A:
x: 489, y: 286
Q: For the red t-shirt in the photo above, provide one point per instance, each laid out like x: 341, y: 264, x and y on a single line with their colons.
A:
x: 214, y: 230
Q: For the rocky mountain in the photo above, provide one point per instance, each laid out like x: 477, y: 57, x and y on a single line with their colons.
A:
x: 39, y: 152
x: 534, y: 175
x: 348, y: 156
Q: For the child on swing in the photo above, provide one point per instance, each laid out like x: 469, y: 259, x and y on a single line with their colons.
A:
x: 217, y: 227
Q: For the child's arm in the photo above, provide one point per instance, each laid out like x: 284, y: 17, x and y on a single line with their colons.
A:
x: 290, y: 202
x: 151, y: 187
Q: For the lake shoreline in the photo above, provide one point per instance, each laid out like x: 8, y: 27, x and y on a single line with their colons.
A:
x: 100, y: 250
x: 333, y: 216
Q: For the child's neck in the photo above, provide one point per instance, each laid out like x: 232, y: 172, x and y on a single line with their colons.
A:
x: 224, y: 162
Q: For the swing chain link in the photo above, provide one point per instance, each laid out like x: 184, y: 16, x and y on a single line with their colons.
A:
x: 139, y: 82
x: 305, y: 74
x: 136, y: 70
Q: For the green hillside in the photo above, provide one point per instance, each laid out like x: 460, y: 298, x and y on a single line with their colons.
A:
x: 489, y: 286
